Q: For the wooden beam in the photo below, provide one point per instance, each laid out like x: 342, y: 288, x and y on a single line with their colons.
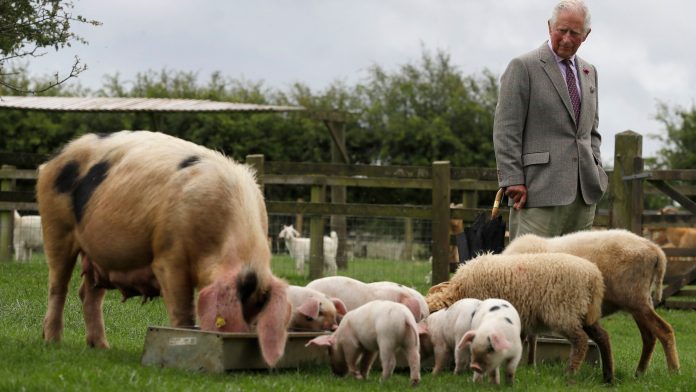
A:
x: 674, y: 194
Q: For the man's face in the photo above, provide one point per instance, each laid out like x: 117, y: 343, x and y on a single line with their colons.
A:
x: 567, y: 33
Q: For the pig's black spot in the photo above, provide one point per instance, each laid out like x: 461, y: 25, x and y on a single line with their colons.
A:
x: 67, y: 177
x: 246, y: 284
x: 190, y: 161
x: 86, y: 186
x: 494, y: 308
x: 508, y: 320
x: 253, y: 300
x: 103, y: 135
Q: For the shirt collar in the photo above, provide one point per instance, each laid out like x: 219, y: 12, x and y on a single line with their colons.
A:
x: 558, y: 58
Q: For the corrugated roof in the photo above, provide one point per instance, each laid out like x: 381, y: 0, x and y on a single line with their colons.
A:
x: 80, y: 104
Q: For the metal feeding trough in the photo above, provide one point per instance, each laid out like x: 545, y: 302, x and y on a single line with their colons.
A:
x: 217, y: 352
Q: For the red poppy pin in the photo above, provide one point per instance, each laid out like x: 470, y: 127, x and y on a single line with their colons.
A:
x: 586, y: 71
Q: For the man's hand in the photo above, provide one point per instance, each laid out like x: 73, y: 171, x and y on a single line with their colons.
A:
x: 518, y: 193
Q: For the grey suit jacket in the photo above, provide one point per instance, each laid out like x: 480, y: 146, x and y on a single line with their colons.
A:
x: 537, y: 142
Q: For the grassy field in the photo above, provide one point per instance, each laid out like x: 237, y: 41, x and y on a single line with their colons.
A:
x: 26, y: 363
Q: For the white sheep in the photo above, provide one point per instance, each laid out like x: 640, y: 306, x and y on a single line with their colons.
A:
x: 551, y: 291
x: 299, y: 248
x: 632, y: 266
x: 27, y: 236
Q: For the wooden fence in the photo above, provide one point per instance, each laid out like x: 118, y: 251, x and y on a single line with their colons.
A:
x: 621, y: 208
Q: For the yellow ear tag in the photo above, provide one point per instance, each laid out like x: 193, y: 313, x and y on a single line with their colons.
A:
x: 219, y: 322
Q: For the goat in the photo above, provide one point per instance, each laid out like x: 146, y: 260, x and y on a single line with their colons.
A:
x: 27, y: 236
x: 299, y: 249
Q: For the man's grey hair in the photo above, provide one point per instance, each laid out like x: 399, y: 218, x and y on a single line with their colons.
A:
x: 572, y: 5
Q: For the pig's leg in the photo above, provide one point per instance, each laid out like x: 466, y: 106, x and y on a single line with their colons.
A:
x: 60, y: 257
x: 461, y: 359
x: 92, y: 300
x: 494, y: 376
x: 176, y: 288
x: 413, y: 357
x: 368, y: 358
x: 441, y: 354
x: 353, y: 356
x: 388, y: 358
x: 511, y: 368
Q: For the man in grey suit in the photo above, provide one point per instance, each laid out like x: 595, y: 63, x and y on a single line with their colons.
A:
x: 545, y: 131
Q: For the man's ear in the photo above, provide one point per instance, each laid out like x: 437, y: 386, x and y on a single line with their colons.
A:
x: 588, y: 33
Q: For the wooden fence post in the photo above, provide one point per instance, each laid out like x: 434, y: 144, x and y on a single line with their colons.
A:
x: 316, y: 236
x: 339, y: 223
x: 626, y: 193
x: 299, y: 219
x: 6, y: 220
x: 440, y: 221
x: 470, y: 199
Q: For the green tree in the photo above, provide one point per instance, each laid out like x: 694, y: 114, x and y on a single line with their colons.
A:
x: 429, y: 111
x: 679, y: 151
x: 28, y: 28
x: 680, y: 138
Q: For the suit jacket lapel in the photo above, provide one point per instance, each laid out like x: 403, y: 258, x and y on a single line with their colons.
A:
x: 549, y: 65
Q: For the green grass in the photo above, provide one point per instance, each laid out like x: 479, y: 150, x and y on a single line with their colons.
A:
x: 27, y: 363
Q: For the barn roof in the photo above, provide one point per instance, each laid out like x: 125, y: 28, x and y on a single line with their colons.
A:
x: 104, y: 104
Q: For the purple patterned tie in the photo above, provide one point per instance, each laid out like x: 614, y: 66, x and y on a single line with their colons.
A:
x: 572, y: 90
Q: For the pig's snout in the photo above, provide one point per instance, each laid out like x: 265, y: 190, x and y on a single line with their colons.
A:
x: 476, y: 367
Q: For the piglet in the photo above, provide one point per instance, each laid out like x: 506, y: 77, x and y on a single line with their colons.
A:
x: 378, y: 326
x: 445, y: 328
x: 494, y: 340
x: 355, y: 293
x: 407, y: 292
x: 313, y: 310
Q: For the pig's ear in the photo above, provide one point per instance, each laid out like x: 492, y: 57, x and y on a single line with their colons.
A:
x: 466, y: 339
x: 273, y: 323
x: 309, y: 308
x: 322, y: 341
x: 422, y: 328
x: 219, y: 308
x: 499, y: 342
x: 412, y: 305
x: 340, y: 306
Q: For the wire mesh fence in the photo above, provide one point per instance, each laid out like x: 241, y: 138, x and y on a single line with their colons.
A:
x: 376, y: 249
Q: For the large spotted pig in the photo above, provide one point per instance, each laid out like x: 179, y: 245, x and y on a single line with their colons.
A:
x: 152, y: 214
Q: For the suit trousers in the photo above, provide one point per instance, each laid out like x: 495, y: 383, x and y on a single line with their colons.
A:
x: 552, y: 221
